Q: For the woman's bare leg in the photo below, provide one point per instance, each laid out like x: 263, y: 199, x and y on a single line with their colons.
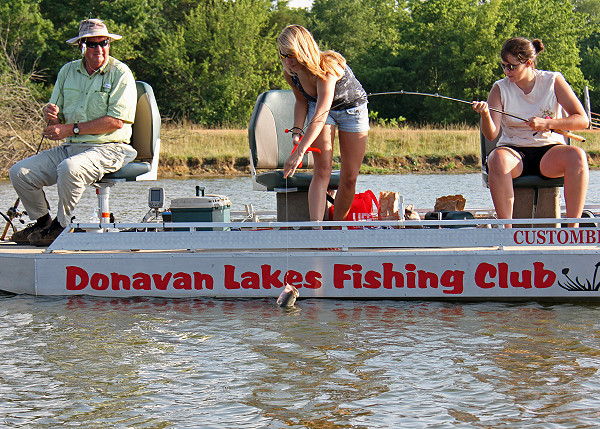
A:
x: 503, y: 165
x: 571, y: 163
x: 352, y: 152
x: 321, y: 173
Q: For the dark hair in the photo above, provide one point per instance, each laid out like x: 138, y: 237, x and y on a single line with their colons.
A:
x: 522, y: 49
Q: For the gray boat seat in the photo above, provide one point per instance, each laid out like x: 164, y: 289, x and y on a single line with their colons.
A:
x: 270, y: 145
x: 535, y: 196
x: 145, y: 139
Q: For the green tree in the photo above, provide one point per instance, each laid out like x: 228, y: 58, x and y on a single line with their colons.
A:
x: 214, y: 66
x: 452, y: 47
x: 23, y: 31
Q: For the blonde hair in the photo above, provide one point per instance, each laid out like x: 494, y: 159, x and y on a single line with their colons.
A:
x: 297, y: 41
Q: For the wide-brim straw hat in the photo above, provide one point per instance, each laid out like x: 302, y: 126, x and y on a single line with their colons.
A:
x: 92, y: 28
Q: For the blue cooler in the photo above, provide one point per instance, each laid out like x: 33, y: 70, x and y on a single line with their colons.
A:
x: 207, y: 208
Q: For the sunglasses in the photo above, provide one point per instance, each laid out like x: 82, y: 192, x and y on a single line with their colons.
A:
x: 510, y: 67
x: 285, y: 56
x: 102, y: 44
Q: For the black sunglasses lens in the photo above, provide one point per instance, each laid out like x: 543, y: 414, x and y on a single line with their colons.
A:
x: 93, y: 45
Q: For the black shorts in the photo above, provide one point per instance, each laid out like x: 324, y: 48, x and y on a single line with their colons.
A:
x: 531, y: 158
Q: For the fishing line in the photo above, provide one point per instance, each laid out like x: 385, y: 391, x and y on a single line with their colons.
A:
x: 567, y: 134
x: 436, y: 95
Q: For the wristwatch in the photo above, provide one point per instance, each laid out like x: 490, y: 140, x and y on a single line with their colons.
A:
x: 76, y: 128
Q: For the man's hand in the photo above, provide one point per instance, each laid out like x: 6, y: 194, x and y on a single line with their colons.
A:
x: 51, y: 113
x: 58, y: 131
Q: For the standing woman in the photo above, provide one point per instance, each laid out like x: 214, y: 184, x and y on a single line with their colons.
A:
x: 328, y: 94
x: 531, y: 147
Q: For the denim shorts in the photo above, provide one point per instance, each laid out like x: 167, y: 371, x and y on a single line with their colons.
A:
x: 353, y: 120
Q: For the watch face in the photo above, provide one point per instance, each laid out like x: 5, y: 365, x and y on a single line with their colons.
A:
x: 76, y: 129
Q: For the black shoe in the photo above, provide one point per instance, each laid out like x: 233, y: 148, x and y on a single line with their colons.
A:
x: 46, y: 236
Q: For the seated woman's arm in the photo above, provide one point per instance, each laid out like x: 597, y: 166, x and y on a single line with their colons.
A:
x: 577, y: 118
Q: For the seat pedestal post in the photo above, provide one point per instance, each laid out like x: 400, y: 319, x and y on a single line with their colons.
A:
x: 292, y: 206
x: 536, y: 203
x: 103, y: 193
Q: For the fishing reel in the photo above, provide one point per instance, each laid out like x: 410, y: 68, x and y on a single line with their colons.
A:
x: 8, y: 219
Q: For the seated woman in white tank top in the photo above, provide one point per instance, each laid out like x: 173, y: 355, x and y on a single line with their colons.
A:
x: 547, y: 100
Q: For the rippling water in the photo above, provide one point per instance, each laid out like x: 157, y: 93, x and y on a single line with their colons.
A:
x: 248, y: 363
x: 152, y: 363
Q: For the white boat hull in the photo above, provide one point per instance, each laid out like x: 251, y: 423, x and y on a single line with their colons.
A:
x: 512, y: 270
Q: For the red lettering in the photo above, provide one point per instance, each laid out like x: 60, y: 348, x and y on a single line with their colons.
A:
x: 541, y: 237
x: 562, y: 237
x: 75, y: 273
x: 525, y: 282
x: 411, y: 278
x: 162, y: 282
x: 542, y: 278
x: 576, y: 236
x: 229, y: 279
x: 453, y: 280
x: 312, y: 279
x: 529, y: 237
x: 182, y: 281
x: 515, y: 239
x: 357, y: 276
x: 425, y: 276
x: 339, y: 275
x: 503, y: 274
x: 205, y: 279
x: 392, y: 278
x: 142, y: 281
x: 293, y: 278
x: 250, y: 280
x: 116, y: 279
x: 270, y: 278
x: 99, y: 281
x: 372, y: 280
x: 591, y: 238
x: 483, y: 270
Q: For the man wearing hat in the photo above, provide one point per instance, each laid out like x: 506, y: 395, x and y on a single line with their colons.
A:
x: 92, y: 108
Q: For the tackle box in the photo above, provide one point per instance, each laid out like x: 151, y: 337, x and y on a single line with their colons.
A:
x: 206, y: 208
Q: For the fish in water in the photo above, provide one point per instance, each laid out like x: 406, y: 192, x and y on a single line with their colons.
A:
x: 288, y: 296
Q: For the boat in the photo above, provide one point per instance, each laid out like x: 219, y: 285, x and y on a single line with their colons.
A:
x: 199, y: 248
x: 471, y: 259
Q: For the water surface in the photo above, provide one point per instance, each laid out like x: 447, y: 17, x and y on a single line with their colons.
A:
x: 247, y: 363
x: 189, y: 363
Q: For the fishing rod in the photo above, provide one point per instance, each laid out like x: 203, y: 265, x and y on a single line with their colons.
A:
x: 436, y: 95
x: 12, y: 212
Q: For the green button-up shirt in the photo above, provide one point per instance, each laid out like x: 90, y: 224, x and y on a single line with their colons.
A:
x: 81, y: 98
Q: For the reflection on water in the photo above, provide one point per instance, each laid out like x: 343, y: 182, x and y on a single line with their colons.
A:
x: 248, y: 363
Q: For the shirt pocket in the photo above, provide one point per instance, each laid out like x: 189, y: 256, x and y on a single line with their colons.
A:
x: 73, y: 105
x: 97, y: 105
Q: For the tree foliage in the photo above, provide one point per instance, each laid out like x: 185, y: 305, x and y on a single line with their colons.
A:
x: 207, y: 60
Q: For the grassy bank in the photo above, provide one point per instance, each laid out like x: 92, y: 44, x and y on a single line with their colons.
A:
x: 190, y: 150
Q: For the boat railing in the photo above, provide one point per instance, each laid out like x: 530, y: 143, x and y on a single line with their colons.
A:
x: 342, y: 235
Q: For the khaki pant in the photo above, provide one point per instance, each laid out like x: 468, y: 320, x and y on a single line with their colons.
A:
x: 71, y: 167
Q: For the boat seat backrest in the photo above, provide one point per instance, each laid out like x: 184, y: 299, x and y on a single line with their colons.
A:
x: 270, y: 145
x: 146, y: 126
